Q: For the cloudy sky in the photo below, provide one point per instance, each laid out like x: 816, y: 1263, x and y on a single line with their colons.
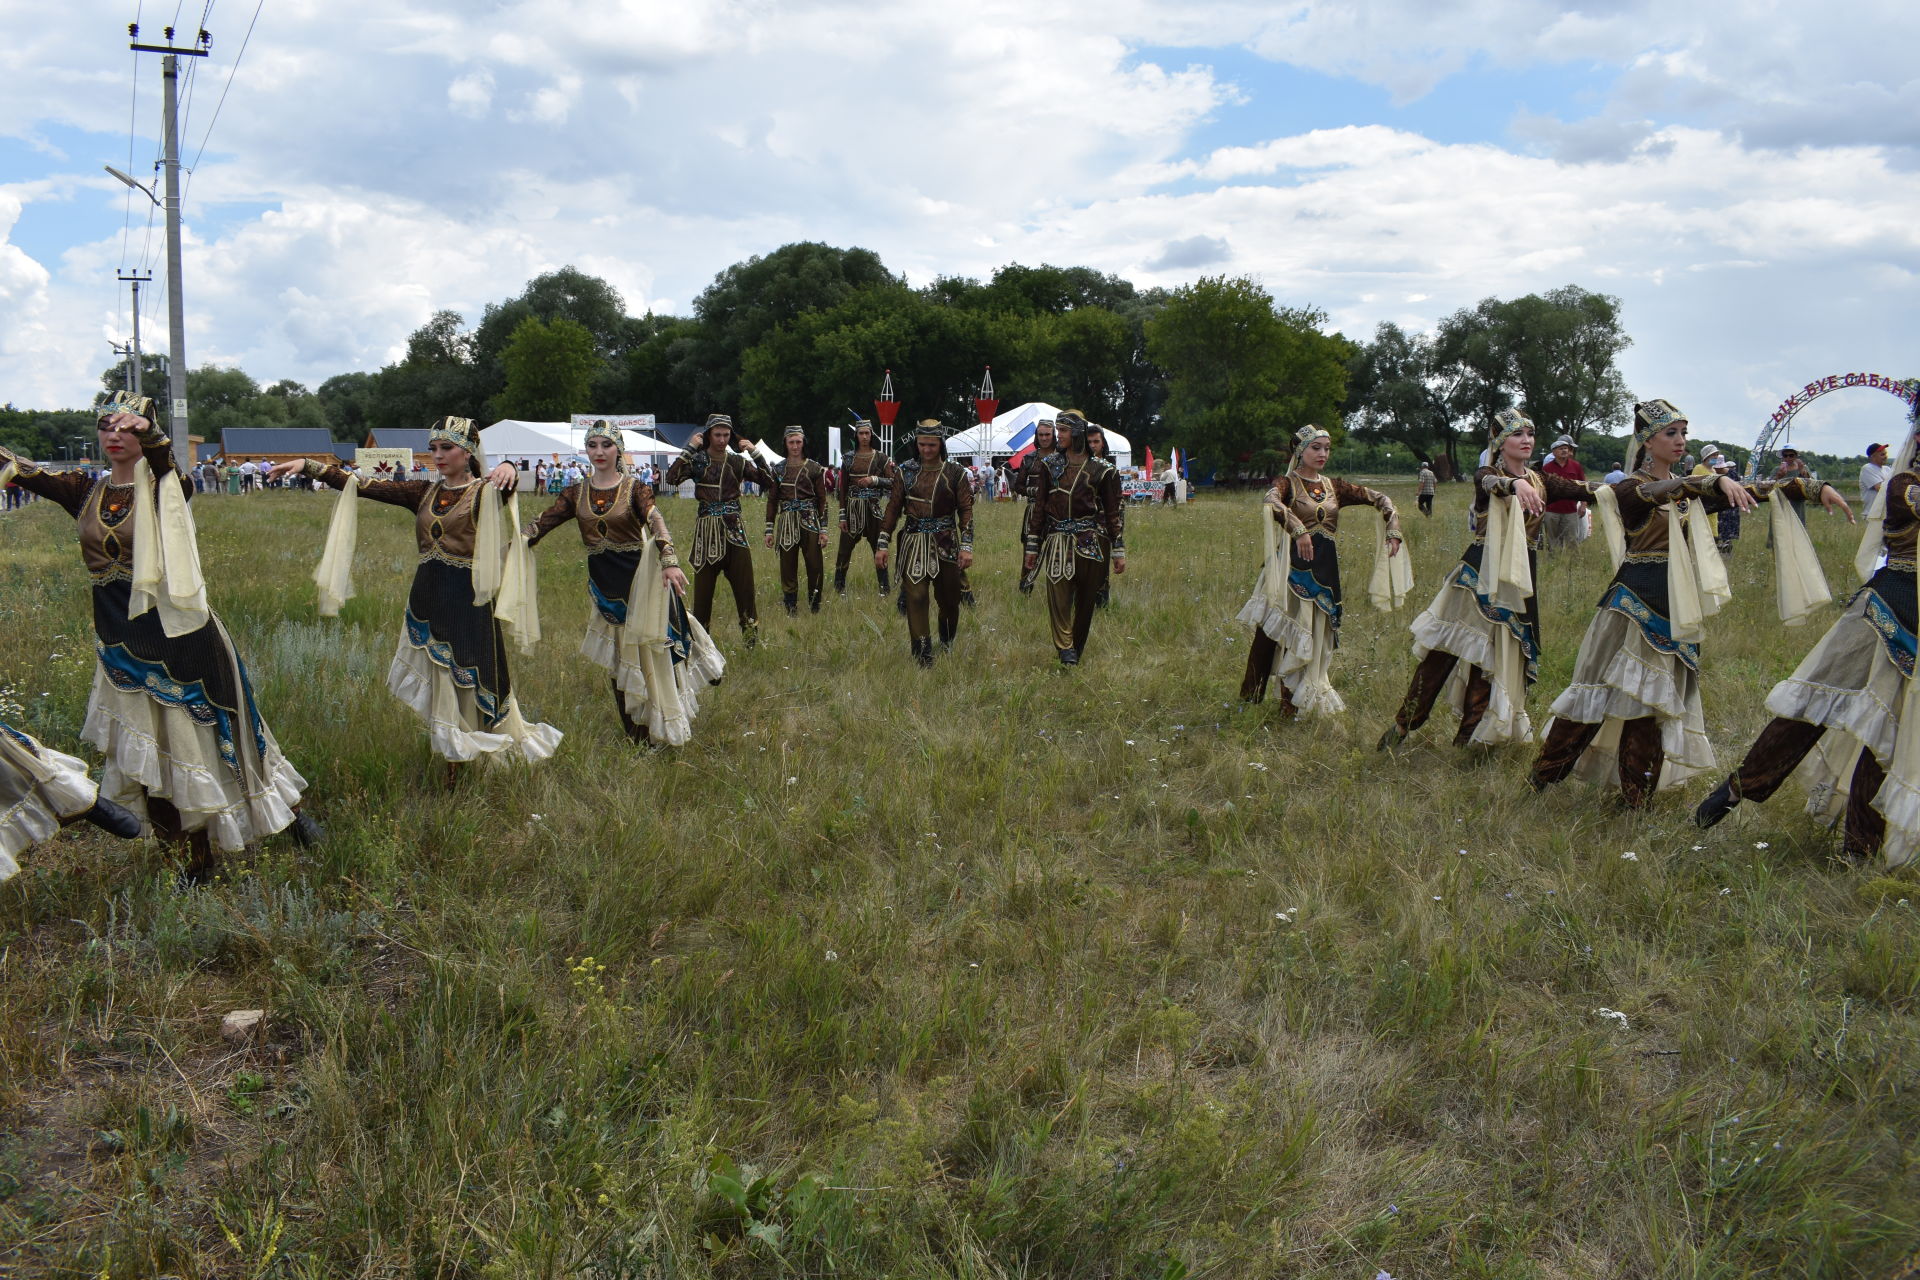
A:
x: 1742, y: 174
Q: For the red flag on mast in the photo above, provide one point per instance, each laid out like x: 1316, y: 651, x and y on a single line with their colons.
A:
x: 887, y: 407
x: 984, y: 403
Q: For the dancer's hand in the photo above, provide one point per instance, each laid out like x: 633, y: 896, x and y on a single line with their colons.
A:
x: 880, y: 559
x: 1830, y: 497
x: 823, y: 539
x: 769, y: 540
x: 1303, y: 546
x: 674, y: 579
x: 281, y: 470
x: 1738, y: 496
x: 503, y: 476
x: 1119, y: 564
x: 1393, y: 547
x: 1530, y: 500
x: 966, y: 559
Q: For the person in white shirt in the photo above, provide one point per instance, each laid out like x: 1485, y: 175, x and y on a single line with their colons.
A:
x: 1874, y: 474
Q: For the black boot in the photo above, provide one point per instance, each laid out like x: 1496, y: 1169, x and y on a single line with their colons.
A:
x: 883, y: 580
x: 305, y: 831
x: 791, y: 600
x: 1069, y: 657
x: 966, y: 598
x: 923, y: 651
x: 112, y: 818
x: 813, y: 600
x: 840, y: 581
x: 1717, y: 805
x: 635, y: 731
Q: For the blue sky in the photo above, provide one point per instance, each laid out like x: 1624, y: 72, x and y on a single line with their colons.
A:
x: 1741, y: 176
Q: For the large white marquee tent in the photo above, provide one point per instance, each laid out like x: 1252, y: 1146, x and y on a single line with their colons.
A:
x: 513, y: 438
x: 1013, y: 431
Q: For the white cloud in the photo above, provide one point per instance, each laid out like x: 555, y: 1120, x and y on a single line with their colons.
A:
x: 471, y: 95
x: 1743, y: 185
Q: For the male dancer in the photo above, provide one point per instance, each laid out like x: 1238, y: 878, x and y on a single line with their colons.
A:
x: 937, y: 544
x: 797, y: 520
x: 1077, y: 514
x: 718, y: 468
x: 866, y: 481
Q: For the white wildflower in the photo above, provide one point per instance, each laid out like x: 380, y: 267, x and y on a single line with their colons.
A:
x: 1613, y: 1014
x: 1629, y: 856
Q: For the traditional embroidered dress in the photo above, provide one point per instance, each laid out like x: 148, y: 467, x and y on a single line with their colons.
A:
x: 1633, y: 709
x: 639, y: 629
x: 172, y: 708
x: 1295, y: 607
x: 796, y: 519
x: 936, y: 504
x: 1076, y: 525
x: 866, y: 481
x: 40, y: 789
x: 450, y: 665
x: 1847, y: 721
x: 719, y: 539
x: 1487, y: 620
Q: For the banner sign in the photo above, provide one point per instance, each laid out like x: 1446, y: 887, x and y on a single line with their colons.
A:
x: 1905, y: 388
x: 383, y: 462
x: 619, y: 421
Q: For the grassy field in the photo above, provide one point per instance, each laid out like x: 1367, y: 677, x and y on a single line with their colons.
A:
x: 991, y: 971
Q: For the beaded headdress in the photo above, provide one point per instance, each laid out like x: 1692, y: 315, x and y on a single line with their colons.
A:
x: 1505, y: 423
x: 1649, y: 418
x: 127, y: 402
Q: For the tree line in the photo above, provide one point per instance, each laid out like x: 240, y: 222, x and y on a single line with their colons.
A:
x: 804, y: 333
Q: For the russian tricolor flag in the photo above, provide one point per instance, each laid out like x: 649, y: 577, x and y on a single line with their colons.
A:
x: 1021, y: 442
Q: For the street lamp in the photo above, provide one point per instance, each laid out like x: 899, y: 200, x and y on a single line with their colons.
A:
x: 141, y: 187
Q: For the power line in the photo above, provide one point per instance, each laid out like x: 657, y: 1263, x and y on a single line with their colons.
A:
x: 133, y: 118
x: 223, y: 90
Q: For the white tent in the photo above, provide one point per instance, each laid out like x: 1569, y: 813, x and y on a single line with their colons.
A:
x: 997, y: 440
x: 512, y: 438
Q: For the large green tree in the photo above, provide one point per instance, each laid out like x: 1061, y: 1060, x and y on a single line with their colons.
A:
x: 1243, y: 374
x: 748, y: 301
x: 1397, y: 392
x: 1561, y: 348
x: 550, y: 367
x: 566, y: 294
x: 438, y: 377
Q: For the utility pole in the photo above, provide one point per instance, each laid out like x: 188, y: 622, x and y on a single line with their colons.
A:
x: 135, y: 375
x: 176, y: 309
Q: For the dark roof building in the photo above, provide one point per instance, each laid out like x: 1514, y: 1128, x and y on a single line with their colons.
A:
x: 280, y: 443
x: 414, y: 438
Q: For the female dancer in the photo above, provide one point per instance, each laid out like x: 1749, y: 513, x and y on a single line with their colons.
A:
x: 1633, y: 709
x: 1857, y: 682
x: 1295, y: 607
x: 639, y: 629
x: 1485, y: 614
x: 451, y: 662
x: 172, y: 708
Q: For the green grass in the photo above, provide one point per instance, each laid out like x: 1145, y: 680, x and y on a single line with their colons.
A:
x: 985, y: 972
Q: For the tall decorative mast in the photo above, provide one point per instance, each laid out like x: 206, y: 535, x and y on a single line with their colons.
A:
x: 885, y: 409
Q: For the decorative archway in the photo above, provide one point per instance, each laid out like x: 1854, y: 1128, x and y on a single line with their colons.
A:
x: 1780, y: 424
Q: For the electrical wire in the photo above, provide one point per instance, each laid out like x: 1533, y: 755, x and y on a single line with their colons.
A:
x: 223, y: 89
